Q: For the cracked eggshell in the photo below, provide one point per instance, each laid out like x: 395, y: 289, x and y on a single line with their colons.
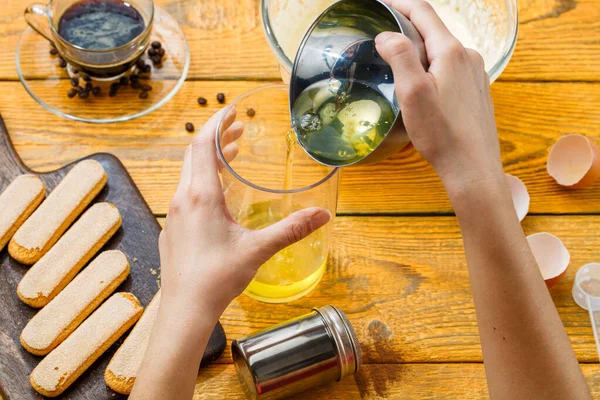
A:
x: 574, y: 161
x: 551, y: 255
x: 520, y: 196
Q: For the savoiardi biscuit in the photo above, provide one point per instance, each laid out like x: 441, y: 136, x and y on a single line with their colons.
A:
x: 57, y: 320
x: 59, y: 266
x: 17, y: 202
x: 122, y: 370
x: 47, y: 224
x: 59, y: 369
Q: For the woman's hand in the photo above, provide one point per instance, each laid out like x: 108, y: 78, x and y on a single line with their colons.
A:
x: 447, y: 110
x: 206, y: 256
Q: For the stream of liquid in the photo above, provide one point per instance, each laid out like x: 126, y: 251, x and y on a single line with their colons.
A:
x: 295, y: 270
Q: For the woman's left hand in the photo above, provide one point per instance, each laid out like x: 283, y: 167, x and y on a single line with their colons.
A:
x: 206, y: 257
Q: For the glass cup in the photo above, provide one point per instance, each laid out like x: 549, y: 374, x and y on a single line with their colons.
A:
x: 102, y: 65
x: 266, y: 176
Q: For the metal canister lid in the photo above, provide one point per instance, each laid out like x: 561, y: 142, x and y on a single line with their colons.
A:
x: 342, y: 332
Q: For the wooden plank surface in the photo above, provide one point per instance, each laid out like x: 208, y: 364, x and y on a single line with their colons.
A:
x: 530, y: 116
x: 397, y: 381
x: 404, y: 285
x: 557, y: 39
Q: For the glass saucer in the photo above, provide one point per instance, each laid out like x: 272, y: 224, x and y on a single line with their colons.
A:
x: 49, y: 84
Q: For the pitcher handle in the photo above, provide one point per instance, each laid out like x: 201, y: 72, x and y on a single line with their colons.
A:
x: 38, y: 17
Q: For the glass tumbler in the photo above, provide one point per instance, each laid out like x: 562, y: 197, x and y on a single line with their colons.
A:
x: 266, y: 176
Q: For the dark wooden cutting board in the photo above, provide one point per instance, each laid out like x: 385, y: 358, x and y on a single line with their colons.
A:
x: 137, y: 238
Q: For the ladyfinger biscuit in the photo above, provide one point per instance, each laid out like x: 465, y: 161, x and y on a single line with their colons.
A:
x: 17, y: 202
x: 123, y: 368
x: 55, y: 322
x: 59, y: 369
x: 47, y: 224
x: 59, y: 266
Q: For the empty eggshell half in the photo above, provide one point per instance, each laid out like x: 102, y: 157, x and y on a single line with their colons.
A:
x: 520, y: 196
x: 551, y: 256
x: 574, y: 161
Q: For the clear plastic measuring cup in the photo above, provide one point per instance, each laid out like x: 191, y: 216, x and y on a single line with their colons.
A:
x: 586, y: 293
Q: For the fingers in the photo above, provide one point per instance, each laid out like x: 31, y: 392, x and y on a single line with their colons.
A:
x: 398, y: 51
x: 288, y: 231
x: 232, y: 133
x: 204, y: 161
x: 436, y: 35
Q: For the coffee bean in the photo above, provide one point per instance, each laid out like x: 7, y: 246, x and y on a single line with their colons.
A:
x: 250, y: 112
x: 146, y: 87
x: 221, y: 98
x: 161, y: 52
x: 141, y: 64
x: 134, y: 78
x: 86, y: 78
x: 147, y: 68
x: 156, y: 60
x: 89, y: 86
x: 53, y: 51
x: 96, y: 91
x: 115, y: 86
x: 202, y: 101
x: 62, y: 63
x: 75, y: 71
x: 112, y: 93
x: 74, y: 81
x: 79, y: 89
x: 143, y: 95
x: 151, y: 52
x: 84, y: 95
x: 156, y: 45
x: 189, y: 127
x: 72, y: 93
x: 124, y: 81
x: 136, y: 85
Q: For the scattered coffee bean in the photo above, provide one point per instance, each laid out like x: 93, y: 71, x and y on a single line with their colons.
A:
x: 112, y: 93
x: 53, y: 51
x: 79, y: 89
x: 143, y: 95
x: 134, y: 78
x: 156, y: 45
x: 221, y: 98
x: 202, y: 101
x: 84, y: 95
x: 74, y: 81
x: 114, y: 88
x: 156, y: 60
x: 189, y: 127
x: 75, y: 71
x: 72, y: 93
x: 86, y: 78
x: 124, y: 80
x: 136, y: 85
x: 147, y: 68
x: 161, y: 52
x: 96, y: 91
x: 89, y: 86
x: 151, y: 52
x: 62, y: 63
x: 141, y: 64
x: 250, y: 112
x: 146, y: 87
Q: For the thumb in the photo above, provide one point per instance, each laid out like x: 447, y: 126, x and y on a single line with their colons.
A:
x: 288, y: 231
x: 399, y: 52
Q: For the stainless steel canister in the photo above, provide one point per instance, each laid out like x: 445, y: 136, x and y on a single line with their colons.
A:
x: 297, y: 355
x: 341, y: 45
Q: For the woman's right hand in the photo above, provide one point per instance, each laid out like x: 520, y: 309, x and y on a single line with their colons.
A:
x: 447, y: 110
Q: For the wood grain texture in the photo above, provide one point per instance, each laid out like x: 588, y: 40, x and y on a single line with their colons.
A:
x: 557, y: 39
x: 379, y: 381
x: 137, y: 238
x: 404, y: 285
x: 530, y: 117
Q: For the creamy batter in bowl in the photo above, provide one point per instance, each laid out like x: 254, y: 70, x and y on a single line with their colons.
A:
x: 488, y: 26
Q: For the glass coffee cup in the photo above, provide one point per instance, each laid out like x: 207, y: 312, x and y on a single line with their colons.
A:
x: 100, y: 38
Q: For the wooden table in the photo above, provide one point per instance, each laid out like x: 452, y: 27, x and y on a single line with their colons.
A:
x: 397, y: 265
